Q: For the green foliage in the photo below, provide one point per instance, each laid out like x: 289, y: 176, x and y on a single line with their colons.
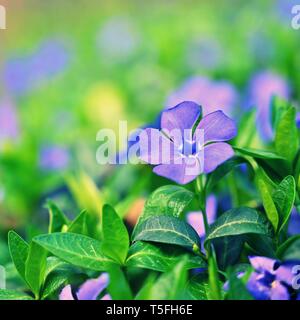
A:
x: 171, y: 285
x: 286, y: 135
x: 76, y: 249
x: 19, y: 252
x: 118, y: 288
x: 115, y: 242
x: 161, y: 257
x: 284, y: 197
x: 167, y: 200
x: 57, y: 219
x: 240, y: 221
x: 165, y: 229
x: 13, y: 295
x: 35, y: 267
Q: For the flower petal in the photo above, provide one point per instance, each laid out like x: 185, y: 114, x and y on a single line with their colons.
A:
x: 215, y: 154
x: 257, y: 287
x: 294, y: 223
x: 91, y: 289
x: 155, y: 147
x: 279, y: 291
x: 217, y: 127
x: 66, y: 293
x: 285, y: 273
x: 180, y: 173
x: 182, y: 117
x: 262, y: 264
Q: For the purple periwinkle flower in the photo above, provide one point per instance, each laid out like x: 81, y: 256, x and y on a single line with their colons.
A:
x: 89, y: 290
x: 9, y: 124
x: 211, y: 95
x: 294, y: 223
x: 271, y: 280
x: 53, y: 158
x: 263, y: 86
x: 195, y: 218
x: 181, y: 151
x: 24, y: 73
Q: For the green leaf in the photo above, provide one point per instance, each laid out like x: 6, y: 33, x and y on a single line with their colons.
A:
x: 222, y: 171
x: 237, y: 289
x: 53, y: 264
x: 145, y: 292
x: 115, y: 236
x: 53, y: 283
x: 284, y: 197
x: 278, y: 107
x: 265, y: 191
x: 168, y: 200
x: 76, y: 249
x: 260, y: 154
x: 79, y: 224
x: 6, y: 294
x: 170, y: 230
x: 228, y: 250
x: 57, y: 219
x: 160, y: 257
x: 286, y: 135
x: 239, y: 221
x: 36, y: 267
x: 19, y: 251
x: 198, y: 287
x: 262, y: 245
x: 171, y: 285
x: 248, y: 128
x: 291, y: 251
x: 118, y: 288
x: 284, y: 246
x: 86, y: 193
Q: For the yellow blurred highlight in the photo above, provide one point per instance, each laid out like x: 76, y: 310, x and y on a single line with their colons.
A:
x: 104, y: 106
x: 86, y: 193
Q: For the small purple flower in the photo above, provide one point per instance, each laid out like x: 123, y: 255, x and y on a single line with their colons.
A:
x: 263, y: 86
x: 298, y: 120
x: 271, y: 280
x: 189, y: 155
x: 204, y: 52
x: 294, y: 223
x: 24, y: 73
x: 117, y: 40
x: 195, y: 218
x: 284, y: 10
x: 9, y: 125
x: 53, y: 158
x: 90, y: 290
x: 211, y: 95
x: 51, y: 58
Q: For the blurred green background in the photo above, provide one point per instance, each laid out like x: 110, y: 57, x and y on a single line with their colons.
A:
x: 69, y: 68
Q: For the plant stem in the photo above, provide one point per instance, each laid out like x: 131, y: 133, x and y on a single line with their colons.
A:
x: 212, y: 262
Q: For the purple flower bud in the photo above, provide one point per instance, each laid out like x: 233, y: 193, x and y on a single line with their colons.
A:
x: 53, y: 158
x: 210, y: 95
x: 9, y: 125
x: 89, y: 290
x: 117, y: 40
x: 263, y: 86
x: 25, y: 73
